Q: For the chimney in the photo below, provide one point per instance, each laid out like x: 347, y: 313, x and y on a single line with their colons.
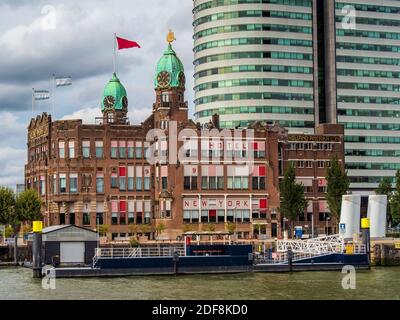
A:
x: 215, y: 121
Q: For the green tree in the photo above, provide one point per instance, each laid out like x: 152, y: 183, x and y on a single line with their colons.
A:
x: 160, y: 228
x: 7, y: 207
x: 385, y: 188
x: 338, y: 185
x: 395, y: 202
x: 293, y: 201
x: 29, y: 206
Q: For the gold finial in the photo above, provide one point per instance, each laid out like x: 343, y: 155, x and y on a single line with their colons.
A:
x: 171, y: 36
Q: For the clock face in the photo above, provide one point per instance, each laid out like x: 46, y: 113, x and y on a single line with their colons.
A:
x: 182, y: 79
x: 109, y: 102
x: 163, y: 79
x: 125, y: 102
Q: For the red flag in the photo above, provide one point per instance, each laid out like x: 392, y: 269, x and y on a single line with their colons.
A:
x: 126, y: 44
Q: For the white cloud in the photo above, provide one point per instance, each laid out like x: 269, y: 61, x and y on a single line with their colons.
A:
x: 12, y: 163
x: 87, y: 115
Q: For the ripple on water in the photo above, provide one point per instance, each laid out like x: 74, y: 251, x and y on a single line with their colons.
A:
x: 379, y: 283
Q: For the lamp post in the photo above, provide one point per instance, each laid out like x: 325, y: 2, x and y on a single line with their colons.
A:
x: 327, y: 228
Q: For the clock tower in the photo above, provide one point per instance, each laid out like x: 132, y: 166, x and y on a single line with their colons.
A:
x: 114, y: 105
x: 169, y: 85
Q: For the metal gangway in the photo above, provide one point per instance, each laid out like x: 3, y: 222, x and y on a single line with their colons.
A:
x: 314, y: 247
x: 139, y: 252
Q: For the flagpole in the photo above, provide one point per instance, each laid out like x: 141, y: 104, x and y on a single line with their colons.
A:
x: 115, y: 52
x: 54, y: 96
x: 33, y: 100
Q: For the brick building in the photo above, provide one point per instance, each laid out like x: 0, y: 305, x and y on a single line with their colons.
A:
x: 168, y: 171
x: 311, y: 154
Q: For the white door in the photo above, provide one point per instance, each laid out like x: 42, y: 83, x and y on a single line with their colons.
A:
x: 72, y: 252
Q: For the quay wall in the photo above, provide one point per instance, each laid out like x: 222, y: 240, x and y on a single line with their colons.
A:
x: 385, y: 253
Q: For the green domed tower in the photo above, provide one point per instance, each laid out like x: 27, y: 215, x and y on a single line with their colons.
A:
x: 169, y: 84
x: 169, y: 72
x: 115, y: 101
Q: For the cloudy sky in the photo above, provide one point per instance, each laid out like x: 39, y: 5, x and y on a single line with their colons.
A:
x: 75, y: 38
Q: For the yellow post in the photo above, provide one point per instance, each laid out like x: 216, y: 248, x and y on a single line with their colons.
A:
x: 37, y: 226
x: 365, y: 223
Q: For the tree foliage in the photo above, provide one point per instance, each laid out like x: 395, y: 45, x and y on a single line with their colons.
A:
x: 7, y: 207
x: 385, y: 188
x: 338, y: 185
x: 29, y: 206
x: 160, y: 227
x: 395, y: 202
x: 293, y: 201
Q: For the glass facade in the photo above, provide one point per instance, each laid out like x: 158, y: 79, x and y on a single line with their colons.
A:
x: 368, y: 90
x: 244, y: 70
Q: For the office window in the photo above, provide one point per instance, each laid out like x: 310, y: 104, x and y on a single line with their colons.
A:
x: 99, y: 149
x: 212, y: 177
x: 131, y: 149
x: 42, y: 185
x: 100, y: 183
x: 86, y: 149
x: 114, y: 149
x: 190, y: 177
x: 238, y: 177
x: 61, y: 149
x: 86, y: 219
x: 131, y: 212
x: 114, y: 180
x: 122, y: 149
x: 73, y: 182
x: 114, y: 212
x: 139, y: 178
x: 122, y: 178
x: 259, y: 177
x: 63, y: 183
x: 147, y: 178
x: 164, y: 177
x: 55, y: 184
x: 131, y: 178
x: 71, y: 149
x: 138, y: 150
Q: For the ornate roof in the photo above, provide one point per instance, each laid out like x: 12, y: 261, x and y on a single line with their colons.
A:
x: 170, y: 72
x: 115, y: 89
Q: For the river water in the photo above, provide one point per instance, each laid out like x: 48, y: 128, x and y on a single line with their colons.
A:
x: 378, y: 283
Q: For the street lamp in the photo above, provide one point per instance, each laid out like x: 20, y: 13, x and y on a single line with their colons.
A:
x: 327, y: 228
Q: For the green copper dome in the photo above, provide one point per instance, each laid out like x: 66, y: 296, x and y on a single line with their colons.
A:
x: 170, y: 72
x: 113, y: 95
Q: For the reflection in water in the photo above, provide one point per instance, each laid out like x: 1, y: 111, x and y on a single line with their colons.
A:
x: 379, y: 283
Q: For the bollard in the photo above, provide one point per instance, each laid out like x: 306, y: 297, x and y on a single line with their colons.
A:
x: 37, y: 249
x: 176, y: 260
x: 365, y: 228
x: 290, y: 260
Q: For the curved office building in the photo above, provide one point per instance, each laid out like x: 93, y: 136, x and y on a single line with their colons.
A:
x: 254, y: 61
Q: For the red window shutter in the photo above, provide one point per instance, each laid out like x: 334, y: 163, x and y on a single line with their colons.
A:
x: 122, y: 206
x: 255, y: 146
x: 122, y: 171
x: 262, y: 171
x: 213, y: 213
x: 263, y: 203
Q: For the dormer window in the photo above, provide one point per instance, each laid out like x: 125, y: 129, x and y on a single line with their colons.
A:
x: 165, y: 97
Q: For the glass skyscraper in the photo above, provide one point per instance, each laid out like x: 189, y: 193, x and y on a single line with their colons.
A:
x: 301, y: 63
x: 254, y: 61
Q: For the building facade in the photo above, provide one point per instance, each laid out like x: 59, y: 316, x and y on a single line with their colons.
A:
x: 302, y: 63
x: 254, y: 61
x: 166, y: 173
x: 311, y: 155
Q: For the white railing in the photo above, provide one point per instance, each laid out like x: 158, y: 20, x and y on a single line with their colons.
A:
x: 110, y: 253
x: 312, y: 247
